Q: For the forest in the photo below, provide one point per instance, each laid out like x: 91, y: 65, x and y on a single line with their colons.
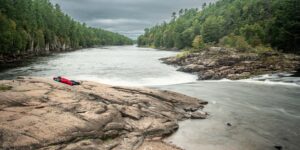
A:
x: 242, y: 24
x: 35, y: 26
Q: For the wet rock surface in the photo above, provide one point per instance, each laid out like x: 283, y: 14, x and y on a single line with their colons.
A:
x: 218, y: 63
x: 38, y: 113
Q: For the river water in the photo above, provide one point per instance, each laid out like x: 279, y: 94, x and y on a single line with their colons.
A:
x: 263, y: 112
x: 116, y: 65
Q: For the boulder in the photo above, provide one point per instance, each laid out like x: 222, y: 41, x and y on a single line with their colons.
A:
x: 216, y: 48
x: 191, y: 68
x: 206, y: 75
x: 198, y: 115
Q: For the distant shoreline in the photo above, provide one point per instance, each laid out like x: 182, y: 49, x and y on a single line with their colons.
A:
x: 13, y: 60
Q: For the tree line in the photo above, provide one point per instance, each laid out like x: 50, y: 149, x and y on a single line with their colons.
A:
x: 31, y: 26
x: 242, y: 24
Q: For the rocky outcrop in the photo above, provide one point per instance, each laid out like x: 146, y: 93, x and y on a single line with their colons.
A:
x: 219, y: 63
x: 34, y: 51
x: 38, y: 113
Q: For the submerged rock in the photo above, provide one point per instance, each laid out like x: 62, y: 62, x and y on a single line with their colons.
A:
x: 229, y: 124
x: 278, y: 147
x: 37, y: 113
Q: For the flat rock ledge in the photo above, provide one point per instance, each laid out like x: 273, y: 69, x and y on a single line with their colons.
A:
x: 38, y: 113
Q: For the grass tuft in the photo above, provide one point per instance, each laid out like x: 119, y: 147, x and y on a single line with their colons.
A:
x: 4, y: 87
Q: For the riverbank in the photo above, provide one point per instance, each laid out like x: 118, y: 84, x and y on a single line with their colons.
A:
x: 218, y: 63
x: 42, y: 114
x: 7, y: 59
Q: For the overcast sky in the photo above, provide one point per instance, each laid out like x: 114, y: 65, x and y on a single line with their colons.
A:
x: 128, y: 17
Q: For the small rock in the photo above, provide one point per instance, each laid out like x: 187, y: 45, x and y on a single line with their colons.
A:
x: 112, y: 145
x: 216, y: 48
x: 114, y: 126
x: 245, y: 75
x: 198, y: 115
x: 111, y: 133
x: 136, y: 106
x: 192, y: 68
x: 192, y: 109
x: 224, y: 68
x: 156, y: 138
x: 211, y: 64
x: 131, y: 112
x: 229, y: 124
x: 206, y: 75
x: 128, y: 127
x: 86, y: 143
x: 187, y: 115
x: 101, y: 110
x: 278, y: 147
x: 232, y: 76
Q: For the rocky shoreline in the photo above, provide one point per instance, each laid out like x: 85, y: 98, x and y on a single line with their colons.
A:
x: 15, y: 58
x: 38, y: 113
x: 219, y: 63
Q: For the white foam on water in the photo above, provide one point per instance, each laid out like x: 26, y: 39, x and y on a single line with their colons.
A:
x: 110, y: 81
x: 269, y: 82
x: 169, y: 80
x: 255, y: 81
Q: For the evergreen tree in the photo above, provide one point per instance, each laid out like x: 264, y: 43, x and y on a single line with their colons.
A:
x: 253, y: 23
x: 28, y: 26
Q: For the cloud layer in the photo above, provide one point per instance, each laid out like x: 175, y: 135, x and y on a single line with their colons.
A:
x: 128, y: 17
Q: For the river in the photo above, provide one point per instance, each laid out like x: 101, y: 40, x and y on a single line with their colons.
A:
x: 263, y: 112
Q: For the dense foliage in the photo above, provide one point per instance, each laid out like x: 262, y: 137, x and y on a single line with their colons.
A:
x: 37, y: 25
x: 242, y: 23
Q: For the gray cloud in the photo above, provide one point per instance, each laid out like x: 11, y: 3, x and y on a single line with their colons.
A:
x: 128, y: 17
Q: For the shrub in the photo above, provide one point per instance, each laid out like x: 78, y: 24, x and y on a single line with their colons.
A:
x: 262, y: 49
x: 253, y: 34
x: 4, y: 87
x: 235, y: 41
x: 198, y: 42
x: 183, y: 54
